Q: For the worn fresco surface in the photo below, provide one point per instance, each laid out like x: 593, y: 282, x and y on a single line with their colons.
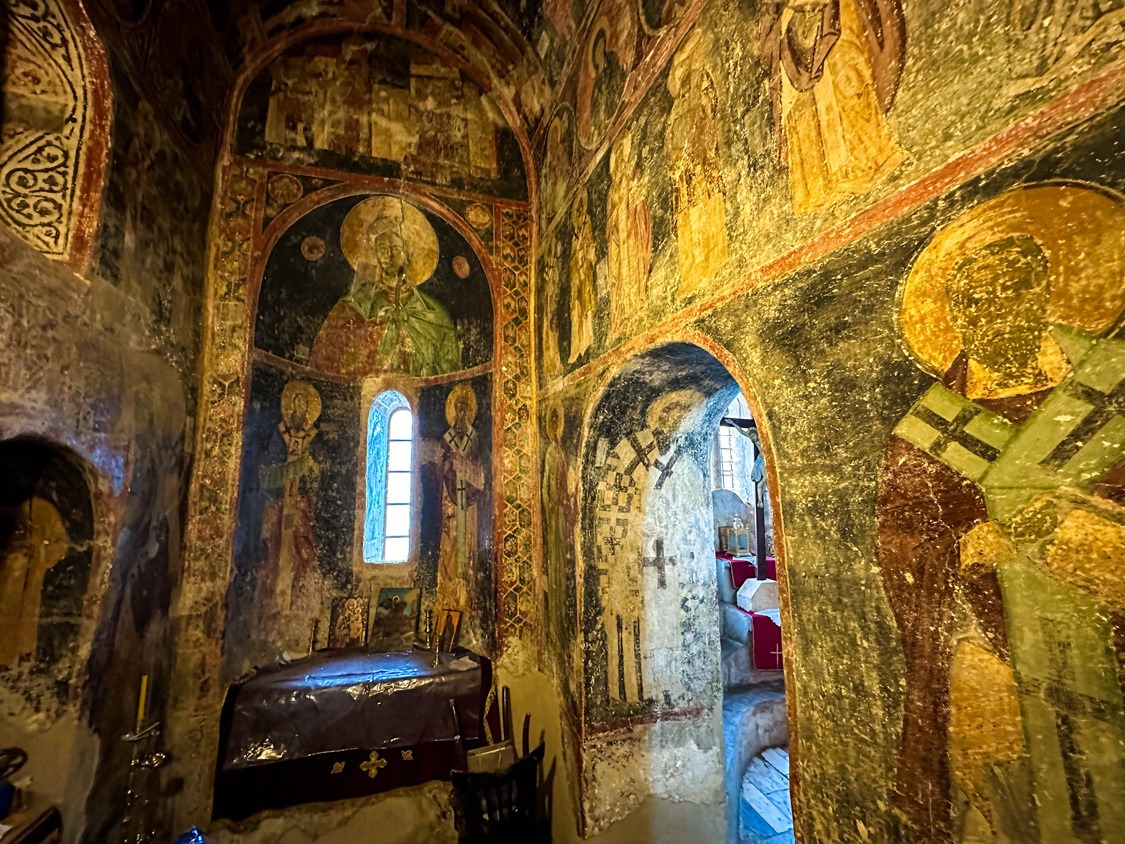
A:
x: 948, y: 649
x: 355, y: 256
x: 48, y: 535
x: 355, y: 292
x: 380, y: 106
x: 773, y: 138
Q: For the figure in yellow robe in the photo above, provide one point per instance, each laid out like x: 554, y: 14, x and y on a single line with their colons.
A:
x: 39, y: 541
x: 692, y: 143
x: 628, y: 234
x: 583, y: 299
x: 834, y: 69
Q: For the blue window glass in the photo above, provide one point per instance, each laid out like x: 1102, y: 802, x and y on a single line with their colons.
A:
x: 390, y: 444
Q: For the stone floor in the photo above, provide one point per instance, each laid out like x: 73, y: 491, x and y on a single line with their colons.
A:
x: 765, y: 815
x: 753, y: 723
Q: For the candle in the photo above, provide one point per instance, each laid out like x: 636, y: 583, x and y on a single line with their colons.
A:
x: 142, y: 702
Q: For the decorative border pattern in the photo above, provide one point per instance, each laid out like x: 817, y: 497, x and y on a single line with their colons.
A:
x: 517, y: 593
x: 198, y: 689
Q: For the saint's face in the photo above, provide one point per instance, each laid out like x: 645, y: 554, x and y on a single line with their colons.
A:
x: 388, y: 253
x: 998, y: 302
x: 461, y: 414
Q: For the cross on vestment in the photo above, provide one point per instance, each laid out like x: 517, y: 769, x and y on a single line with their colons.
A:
x: 953, y: 432
x: 1104, y: 406
x: 777, y: 653
x: 665, y: 469
x: 659, y: 562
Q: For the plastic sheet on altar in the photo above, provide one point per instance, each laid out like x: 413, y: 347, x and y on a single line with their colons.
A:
x: 344, y: 699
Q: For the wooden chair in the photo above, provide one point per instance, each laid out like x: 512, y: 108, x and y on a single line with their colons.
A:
x: 500, y: 807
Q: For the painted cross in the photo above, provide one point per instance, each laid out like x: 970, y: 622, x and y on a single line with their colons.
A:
x: 373, y: 765
x: 659, y: 562
x: 665, y: 469
x: 1104, y: 407
x: 952, y: 432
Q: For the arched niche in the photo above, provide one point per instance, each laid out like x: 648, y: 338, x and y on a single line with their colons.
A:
x: 57, y: 111
x: 646, y: 535
x: 360, y: 295
x: 47, y: 541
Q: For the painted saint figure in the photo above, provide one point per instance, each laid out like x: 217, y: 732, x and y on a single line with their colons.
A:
x: 692, y: 143
x: 37, y: 544
x: 462, y: 489
x: 1000, y: 526
x: 289, y: 574
x: 556, y: 164
x: 834, y: 68
x: 583, y: 297
x: 628, y: 234
x: 609, y: 56
x: 559, y: 489
x: 552, y: 288
x: 385, y: 323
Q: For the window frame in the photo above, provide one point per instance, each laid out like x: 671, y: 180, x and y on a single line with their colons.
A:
x: 376, y: 471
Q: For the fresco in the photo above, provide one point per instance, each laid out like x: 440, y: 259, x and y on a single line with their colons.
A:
x: 774, y: 139
x: 154, y: 221
x: 455, y: 556
x: 297, y: 497
x: 833, y: 73
x: 381, y: 106
x: 610, y: 54
x: 916, y: 377
x: 372, y: 284
x: 56, y: 116
x: 650, y: 646
x: 46, y: 553
x: 988, y: 495
x: 559, y: 499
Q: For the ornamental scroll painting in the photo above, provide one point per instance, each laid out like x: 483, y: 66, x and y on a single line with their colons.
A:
x: 1001, y: 525
x: 47, y: 156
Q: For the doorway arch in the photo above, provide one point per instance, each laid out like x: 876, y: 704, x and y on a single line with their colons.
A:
x: 645, y: 574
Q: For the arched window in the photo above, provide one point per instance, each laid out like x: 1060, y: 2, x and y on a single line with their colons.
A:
x: 735, y: 452
x: 390, y: 445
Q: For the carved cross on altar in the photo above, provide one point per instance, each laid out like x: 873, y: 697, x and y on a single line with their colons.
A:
x: 659, y: 562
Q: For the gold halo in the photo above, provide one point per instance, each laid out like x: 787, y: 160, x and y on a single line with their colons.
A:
x: 418, y: 235
x: 1079, y: 229
x: 451, y: 403
x: 289, y: 395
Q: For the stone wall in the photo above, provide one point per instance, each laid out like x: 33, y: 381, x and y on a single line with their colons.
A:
x: 99, y: 358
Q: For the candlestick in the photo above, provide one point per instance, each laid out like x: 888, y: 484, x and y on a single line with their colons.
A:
x: 142, y: 703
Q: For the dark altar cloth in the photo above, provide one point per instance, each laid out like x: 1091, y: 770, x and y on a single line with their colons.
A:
x: 341, y: 724
x: 341, y: 700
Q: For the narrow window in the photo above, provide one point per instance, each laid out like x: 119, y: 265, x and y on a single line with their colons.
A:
x: 390, y: 443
